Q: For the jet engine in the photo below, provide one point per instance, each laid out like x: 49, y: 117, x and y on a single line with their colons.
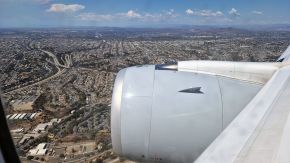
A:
x: 165, y: 113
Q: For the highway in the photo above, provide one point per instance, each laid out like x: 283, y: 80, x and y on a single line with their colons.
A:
x: 60, y: 71
x: 68, y: 60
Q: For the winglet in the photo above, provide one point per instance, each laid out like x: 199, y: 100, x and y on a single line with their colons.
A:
x: 285, y: 56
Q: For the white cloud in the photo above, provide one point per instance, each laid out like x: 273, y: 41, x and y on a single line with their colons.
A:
x: 206, y: 13
x: 95, y: 17
x: 65, y: 8
x: 234, y: 12
x: 152, y: 17
x: 170, y: 12
x: 131, y: 14
x: 257, y: 12
x: 189, y: 12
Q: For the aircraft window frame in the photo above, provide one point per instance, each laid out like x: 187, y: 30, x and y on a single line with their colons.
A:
x: 7, y: 147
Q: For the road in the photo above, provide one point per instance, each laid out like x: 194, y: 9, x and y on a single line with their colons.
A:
x: 59, y: 72
x: 67, y: 60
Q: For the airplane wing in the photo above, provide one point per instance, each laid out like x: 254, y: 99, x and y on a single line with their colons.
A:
x: 285, y: 56
x: 233, y: 111
x: 261, y: 132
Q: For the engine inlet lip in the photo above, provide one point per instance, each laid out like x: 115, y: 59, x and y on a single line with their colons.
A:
x: 116, y: 112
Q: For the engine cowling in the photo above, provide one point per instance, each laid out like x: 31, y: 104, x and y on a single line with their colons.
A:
x: 166, y: 115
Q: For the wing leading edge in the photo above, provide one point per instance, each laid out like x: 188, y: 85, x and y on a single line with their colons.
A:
x: 261, y: 132
x: 285, y: 56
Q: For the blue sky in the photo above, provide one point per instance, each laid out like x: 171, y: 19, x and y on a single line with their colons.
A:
x: 147, y: 13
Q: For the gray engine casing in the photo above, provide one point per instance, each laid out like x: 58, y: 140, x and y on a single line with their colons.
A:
x: 154, y: 119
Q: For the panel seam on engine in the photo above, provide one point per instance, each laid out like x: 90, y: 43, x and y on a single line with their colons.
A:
x: 222, y: 103
x: 151, y: 110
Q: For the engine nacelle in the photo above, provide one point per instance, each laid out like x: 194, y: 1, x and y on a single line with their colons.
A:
x: 163, y: 115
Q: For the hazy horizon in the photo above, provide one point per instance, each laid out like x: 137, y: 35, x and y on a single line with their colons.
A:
x: 179, y: 26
